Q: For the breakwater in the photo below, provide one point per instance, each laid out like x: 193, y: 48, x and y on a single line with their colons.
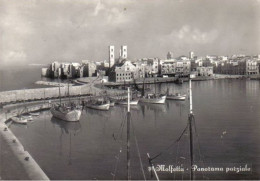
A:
x: 52, y: 93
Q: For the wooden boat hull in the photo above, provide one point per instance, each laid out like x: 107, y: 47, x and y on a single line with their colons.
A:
x: 159, y: 100
x: 71, y: 116
x: 178, y: 98
x: 102, y: 107
x: 134, y: 102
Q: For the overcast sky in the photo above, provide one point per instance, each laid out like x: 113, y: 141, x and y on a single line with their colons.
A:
x: 41, y: 31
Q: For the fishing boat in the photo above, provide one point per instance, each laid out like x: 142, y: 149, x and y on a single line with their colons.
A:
x: 66, y: 113
x: 152, y: 98
x: 69, y: 112
x: 98, y: 105
x: 20, y: 120
x: 132, y: 102
x: 177, y: 96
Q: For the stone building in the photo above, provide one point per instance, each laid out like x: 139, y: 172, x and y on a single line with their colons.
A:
x: 123, y: 71
x: 168, y: 67
x: 252, y: 67
x: 91, y: 69
x: 204, y: 71
x: 183, y: 67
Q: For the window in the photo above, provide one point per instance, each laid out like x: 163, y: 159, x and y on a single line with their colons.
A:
x: 111, y: 56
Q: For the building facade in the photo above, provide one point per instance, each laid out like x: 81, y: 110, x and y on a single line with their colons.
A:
x: 204, y: 71
x: 168, y: 67
x: 123, y: 72
x: 252, y: 67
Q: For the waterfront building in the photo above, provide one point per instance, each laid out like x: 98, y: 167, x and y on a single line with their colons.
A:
x: 152, y: 67
x: 183, y: 67
x: 45, y: 72
x: 123, y: 72
x: 204, y: 71
x: 111, y: 55
x: 91, y: 69
x: 83, y: 72
x: 252, y: 67
x: 55, y: 69
x: 226, y: 67
x: 140, y: 69
x: 71, y: 72
x: 168, y: 67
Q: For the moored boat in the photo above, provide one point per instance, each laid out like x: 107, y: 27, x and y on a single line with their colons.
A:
x: 153, y: 99
x: 99, y: 105
x: 70, y: 113
x: 177, y: 96
x: 132, y: 102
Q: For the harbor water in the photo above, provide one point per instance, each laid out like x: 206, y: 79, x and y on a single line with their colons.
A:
x: 227, y: 136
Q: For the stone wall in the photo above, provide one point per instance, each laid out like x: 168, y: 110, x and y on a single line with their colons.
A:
x: 41, y: 93
x: 53, y: 92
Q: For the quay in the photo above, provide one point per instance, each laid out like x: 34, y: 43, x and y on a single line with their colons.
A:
x: 16, y: 162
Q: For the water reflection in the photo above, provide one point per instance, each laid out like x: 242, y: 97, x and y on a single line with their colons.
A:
x: 157, y: 108
x: 99, y: 113
x: 69, y: 128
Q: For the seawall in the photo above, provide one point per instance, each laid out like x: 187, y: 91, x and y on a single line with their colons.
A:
x: 52, y: 93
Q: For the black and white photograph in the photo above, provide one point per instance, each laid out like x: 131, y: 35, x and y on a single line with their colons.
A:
x: 129, y: 90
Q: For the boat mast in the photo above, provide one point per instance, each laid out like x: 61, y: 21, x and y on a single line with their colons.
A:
x: 190, y: 131
x: 69, y: 90
x: 128, y: 135
x: 59, y: 94
x: 154, y: 87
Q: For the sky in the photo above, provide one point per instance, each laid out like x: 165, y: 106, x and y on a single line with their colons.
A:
x: 43, y: 31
